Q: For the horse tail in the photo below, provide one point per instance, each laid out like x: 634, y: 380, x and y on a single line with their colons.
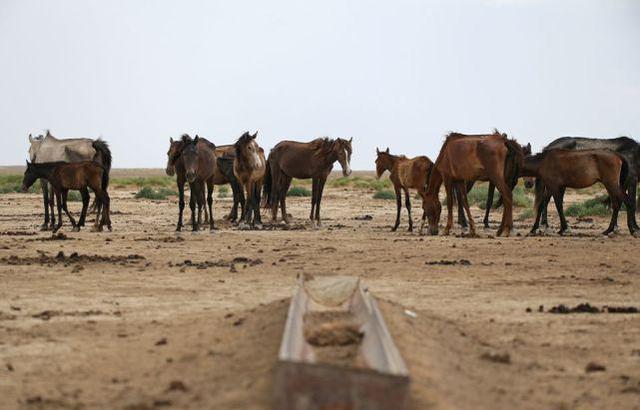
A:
x: 268, y: 192
x: 624, y: 174
x: 103, y: 157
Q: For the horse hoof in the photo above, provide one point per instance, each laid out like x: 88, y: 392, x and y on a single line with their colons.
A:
x: 258, y: 226
x: 76, y: 229
x: 44, y: 228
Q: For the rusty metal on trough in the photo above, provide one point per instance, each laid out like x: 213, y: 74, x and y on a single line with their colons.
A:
x: 376, y: 380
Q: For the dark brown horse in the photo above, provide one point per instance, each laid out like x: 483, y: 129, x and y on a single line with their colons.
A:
x: 405, y: 173
x: 249, y: 166
x: 80, y: 176
x: 200, y: 165
x: 558, y: 169
x: 315, y: 159
x: 223, y: 174
x: 463, y: 159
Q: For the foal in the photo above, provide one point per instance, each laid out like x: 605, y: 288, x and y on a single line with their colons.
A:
x: 558, y: 169
x: 80, y: 176
x: 405, y: 174
x: 249, y: 166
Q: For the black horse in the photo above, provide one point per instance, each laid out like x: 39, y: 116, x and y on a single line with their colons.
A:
x: 627, y: 147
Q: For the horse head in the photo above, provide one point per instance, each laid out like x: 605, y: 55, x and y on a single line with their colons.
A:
x: 190, y: 159
x: 343, y: 150
x: 29, y: 178
x: 248, y: 151
x: 175, y: 149
x: 383, y: 162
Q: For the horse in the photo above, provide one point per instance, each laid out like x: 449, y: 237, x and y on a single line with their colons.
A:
x: 405, y: 173
x: 558, y: 169
x: 314, y: 159
x: 80, y: 176
x: 222, y: 174
x: 625, y: 146
x: 199, y: 159
x: 511, y: 173
x: 249, y: 166
x: 47, y: 148
x: 462, y: 159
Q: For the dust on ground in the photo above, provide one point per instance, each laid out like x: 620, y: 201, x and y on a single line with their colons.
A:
x: 145, y: 318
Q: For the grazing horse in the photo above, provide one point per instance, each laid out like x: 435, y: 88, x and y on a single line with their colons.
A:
x: 511, y: 173
x: 405, y: 173
x: 625, y: 146
x: 80, y: 176
x: 223, y: 174
x: 463, y: 159
x: 47, y: 148
x: 314, y: 159
x: 558, y: 169
x: 199, y: 160
x: 249, y: 166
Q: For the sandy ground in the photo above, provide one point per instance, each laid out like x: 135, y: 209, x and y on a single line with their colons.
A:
x: 193, y: 320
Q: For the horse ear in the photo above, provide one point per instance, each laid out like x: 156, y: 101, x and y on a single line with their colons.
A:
x: 255, y: 135
x: 28, y: 164
x: 350, y: 140
x: 30, y: 138
x: 377, y: 151
x: 195, y: 140
x: 48, y: 134
x: 171, y: 140
x: 387, y: 151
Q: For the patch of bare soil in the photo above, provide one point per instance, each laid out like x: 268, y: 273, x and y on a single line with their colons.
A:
x: 335, y: 337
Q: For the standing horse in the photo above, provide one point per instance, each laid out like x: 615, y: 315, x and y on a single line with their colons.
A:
x: 405, y: 174
x: 315, y: 159
x: 223, y: 174
x: 511, y: 173
x: 463, y: 159
x: 79, y: 176
x: 47, y: 148
x: 199, y: 160
x: 249, y: 166
x: 625, y: 146
x: 558, y: 169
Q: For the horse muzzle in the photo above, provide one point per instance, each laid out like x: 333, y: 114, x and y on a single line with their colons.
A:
x: 24, y: 189
x: 191, y: 177
x: 170, y: 171
x: 433, y: 231
x: 346, y: 172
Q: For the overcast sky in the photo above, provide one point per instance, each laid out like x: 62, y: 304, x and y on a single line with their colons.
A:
x: 398, y: 73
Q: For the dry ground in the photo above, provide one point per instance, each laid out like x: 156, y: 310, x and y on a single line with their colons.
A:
x: 193, y: 320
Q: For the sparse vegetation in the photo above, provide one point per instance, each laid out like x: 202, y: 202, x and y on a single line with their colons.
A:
x: 223, y: 191
x: 13, y: 183
x: 361, y: 183
x: 590, y: 207
x: 74, y: 196
x: 478, y: 196
x: 384, y: 194
x: 141, y: 182
x: 151, y: 193
x: 298, y: 191
x: 526, y: 214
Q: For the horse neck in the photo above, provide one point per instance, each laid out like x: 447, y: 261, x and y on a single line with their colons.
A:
x: 44, y: 171
x: 435, y: 181
x: 531, y: 166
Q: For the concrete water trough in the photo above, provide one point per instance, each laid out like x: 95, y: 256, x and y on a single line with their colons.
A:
x: 336, y: 351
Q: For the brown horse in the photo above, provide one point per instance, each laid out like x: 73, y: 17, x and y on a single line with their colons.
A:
x: 80, y: 176
x: 405, y: 173
x: 249, y: 166
x: 223, y: 174
x: 558, y: 169
x: 200, y: 166
x: 315, y: 159
x: 462, y: 159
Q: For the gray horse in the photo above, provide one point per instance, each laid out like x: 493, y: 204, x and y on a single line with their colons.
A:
x: 47, y: 148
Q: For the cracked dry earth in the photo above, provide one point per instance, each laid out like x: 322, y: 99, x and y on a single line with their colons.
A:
x: 145, y: 318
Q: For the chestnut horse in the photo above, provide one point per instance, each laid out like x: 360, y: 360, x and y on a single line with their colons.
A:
x: 249, y: 166
x: 558, y: 169
x: 314, y: 159
x: 463, y: 159
x: 80, y: 176
x: 199, y: 158
x: 405, y: 173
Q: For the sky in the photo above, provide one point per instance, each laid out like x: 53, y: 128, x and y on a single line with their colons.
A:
x: 397, y: 74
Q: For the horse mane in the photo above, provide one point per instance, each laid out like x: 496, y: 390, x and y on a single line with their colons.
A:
x: 244, y: 139
x: 186, y: 138
x: 322, y: 147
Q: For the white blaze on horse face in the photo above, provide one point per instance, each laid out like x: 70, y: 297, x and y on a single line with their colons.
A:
x: 257, y: 160
x: 347, y: 168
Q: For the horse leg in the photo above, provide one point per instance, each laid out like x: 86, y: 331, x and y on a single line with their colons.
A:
x: 65, y: 193
x: 200, y: 202
x: 448, y: 186
x: 59, y: 206
x: 314, y: 194
x: 462, y: 221
x: 256, y: 205
x: 617, y: 196
x: 85, y: 205
x: 286, y: 182
x: 631, y: 205
x: 52, y: 206
x: 462, y: 188
x: 106, y: 208
x: 492, y: 190
x: 192, y: 205
x: 180, y: 204
x: 507, y: 209
x: 398, y: 206
x: 407, y: 203
x: 321, y: 183
x: 545, y: 221
x: 558, y: 199
x: 539, y: 206
x: 210, y: 204
x: 44, y: 185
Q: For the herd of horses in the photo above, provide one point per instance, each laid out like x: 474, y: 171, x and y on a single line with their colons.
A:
x: 263, y: 181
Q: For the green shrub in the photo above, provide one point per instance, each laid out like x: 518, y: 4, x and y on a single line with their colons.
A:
x: 590, y: 207
x: 478, y: 196
x: 74, y: 196
x: 223, y: 191
x: 150, y: 193
x: 299, y: 191
x: 526, y: 214
x: 13, y: 183
x: 339, y: 182
x: 160, y: 181
x: 384, y: 194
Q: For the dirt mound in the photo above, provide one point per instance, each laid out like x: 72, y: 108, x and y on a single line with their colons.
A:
x: 74, y: 257
x: 220, y: 263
